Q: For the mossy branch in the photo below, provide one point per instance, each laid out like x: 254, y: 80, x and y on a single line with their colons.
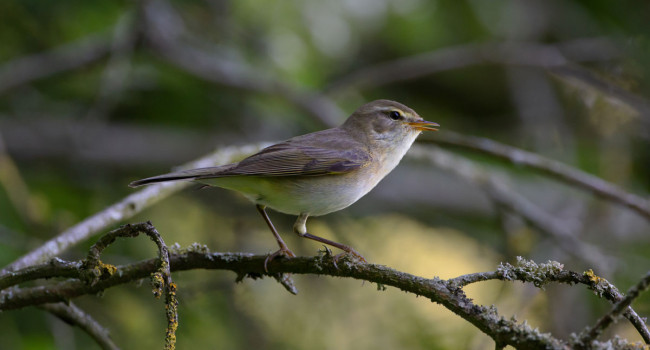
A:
x: 448, y: 293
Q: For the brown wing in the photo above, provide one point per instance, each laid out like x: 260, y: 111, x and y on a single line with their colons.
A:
x: 329, y: 151
x: 285, y: 159
x: 321, y: 153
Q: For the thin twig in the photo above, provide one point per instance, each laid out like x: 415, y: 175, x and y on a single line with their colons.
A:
x: 123, y: 209
x: 114, y: 77
x: 73, y: 315
x: 561, y: 232
x: 495, y: 186
x: 15, y: 187
x: 541, y: 274
x: 553, y: 58
x: 26, y: 69
x: 558, y: 170
x: 621, y: 307
x: 447, y: 58
x: 53, y: 268
x: 161, y: 279
x: 166, y: 32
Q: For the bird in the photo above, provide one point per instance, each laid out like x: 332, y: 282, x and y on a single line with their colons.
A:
x: 317, y: 173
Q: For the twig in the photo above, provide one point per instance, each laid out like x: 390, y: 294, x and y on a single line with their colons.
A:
x: 447, y: 58
x: 123, y: 209
x: 165, y: 31
x: 54, y: 268
x: 15, y: 187
x: 114, y: 78
x: 541, y: 274
x: 26, y: 69
x: 546, y: 166
x: 585, y: 76
x: 506, y: 198
x: 547, y: 223
x: 73, y: 315
x: 161, y: 279
x: 621, y: 307
x: 557, y: 59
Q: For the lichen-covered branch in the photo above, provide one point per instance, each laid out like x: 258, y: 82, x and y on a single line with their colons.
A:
x: 542, y: 274
x: 622, y: 306
x: 448, y: 293
x: 439, y: 291
x: 93, y: 270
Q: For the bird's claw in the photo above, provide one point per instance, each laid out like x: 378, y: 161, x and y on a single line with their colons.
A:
x: 280, y: 252
x: 352, y: 252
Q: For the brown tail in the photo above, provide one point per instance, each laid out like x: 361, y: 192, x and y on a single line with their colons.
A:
x: 204, y: 173
x: 161, y: 178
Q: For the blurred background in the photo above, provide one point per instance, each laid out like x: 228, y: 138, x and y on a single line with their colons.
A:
x: 96, y: 94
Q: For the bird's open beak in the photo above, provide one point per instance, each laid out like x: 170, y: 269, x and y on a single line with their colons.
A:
x: 424, y: 125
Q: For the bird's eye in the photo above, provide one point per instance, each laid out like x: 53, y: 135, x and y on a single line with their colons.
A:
x: 395, y: 115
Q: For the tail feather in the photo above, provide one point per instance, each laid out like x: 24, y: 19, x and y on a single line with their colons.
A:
x: 184, y: 175
x: 161, y: 178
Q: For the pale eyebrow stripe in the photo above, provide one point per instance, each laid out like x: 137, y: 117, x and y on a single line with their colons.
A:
x: 390, y: 109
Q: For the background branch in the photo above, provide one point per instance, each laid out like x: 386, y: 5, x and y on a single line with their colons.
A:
x: 165, y: 31
x: 124, y: 209
x: 495, y: 186
x: 622, y: 306
x: 73, y: 315
x: 547, y: 166
x: 30, y: 68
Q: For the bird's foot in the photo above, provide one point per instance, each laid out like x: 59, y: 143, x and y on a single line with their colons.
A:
x: 280, y: 252
x: 348, y: 251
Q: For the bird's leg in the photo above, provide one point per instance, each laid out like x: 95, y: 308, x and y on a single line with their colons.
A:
x: 300, y: 228
x: 284, y: 250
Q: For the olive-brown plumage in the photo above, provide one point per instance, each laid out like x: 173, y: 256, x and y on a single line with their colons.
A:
x: 321, y: 172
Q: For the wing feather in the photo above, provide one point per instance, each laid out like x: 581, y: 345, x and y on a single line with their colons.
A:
x: 321, y: 153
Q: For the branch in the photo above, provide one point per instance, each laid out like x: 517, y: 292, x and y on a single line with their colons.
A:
x: 73, y: 315
x: 448, y: 58
x: 621, y: 307
x: 26, y: 69
x: 114, y: 77
x: 448, y: 293
x: 542, y: 274
x: 94, y: 270
x: 123, y: 209
x: 558, y: 59
x: 547, y: 166
x: 165, y: 31
x: 245, y: 265
x: 495, y: 187
x: 15, y: 186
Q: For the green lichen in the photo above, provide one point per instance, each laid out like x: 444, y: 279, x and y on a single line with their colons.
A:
x: 530, y: 271
x: 599, y: 285
x: 157, y: 284
x: 95, y: 271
